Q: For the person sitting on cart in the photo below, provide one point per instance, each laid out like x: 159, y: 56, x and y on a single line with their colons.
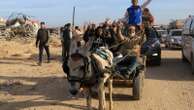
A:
x: 147, y: 18
x: 148, y: 21
x: 99, y: 39
x: 130, y: 46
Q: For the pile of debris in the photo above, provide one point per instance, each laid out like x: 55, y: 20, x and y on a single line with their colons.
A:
x: 3, y: 32
x: 19, y: 25
x: 55, y: 31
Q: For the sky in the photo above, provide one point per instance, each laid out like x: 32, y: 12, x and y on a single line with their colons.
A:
x: 59, y: 12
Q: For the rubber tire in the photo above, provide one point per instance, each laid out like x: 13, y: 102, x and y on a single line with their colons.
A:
x: 192, y: 66
x: 158, y: 61
x: 145, y: 62
x: 138, y: 86
x: 166, y: 45
x: 183, y: 56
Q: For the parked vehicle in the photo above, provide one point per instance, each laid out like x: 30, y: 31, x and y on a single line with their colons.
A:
x: 163, y: 35
x: 174, y: 40
x: 152, y: 48
x: 176, y: 24
x: 188, y: 41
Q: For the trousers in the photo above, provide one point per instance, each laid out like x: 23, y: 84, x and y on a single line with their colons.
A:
x: 41, y: 49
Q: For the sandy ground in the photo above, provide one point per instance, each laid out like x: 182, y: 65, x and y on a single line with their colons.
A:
x: 26, y: 86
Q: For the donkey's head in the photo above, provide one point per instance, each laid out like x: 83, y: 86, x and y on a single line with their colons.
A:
x: 77, y: 65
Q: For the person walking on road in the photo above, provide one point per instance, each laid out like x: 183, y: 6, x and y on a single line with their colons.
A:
x: 42, y: 41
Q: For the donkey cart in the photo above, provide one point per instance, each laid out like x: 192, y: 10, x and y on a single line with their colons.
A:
x: 127, y: 70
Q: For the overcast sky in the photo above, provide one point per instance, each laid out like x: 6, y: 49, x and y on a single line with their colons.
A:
x: 58, y: 12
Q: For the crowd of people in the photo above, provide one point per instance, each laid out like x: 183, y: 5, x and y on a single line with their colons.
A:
x: 123, y: 36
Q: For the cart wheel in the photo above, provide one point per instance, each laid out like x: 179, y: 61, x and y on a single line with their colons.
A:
x: 192, y: 65
x: 183, y: 56
x: 144, y: 61
x: 138, y: 86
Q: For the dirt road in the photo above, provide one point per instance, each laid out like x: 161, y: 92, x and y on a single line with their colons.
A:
x: 25, y: 86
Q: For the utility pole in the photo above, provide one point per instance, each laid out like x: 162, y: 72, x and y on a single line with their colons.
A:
x: 73, y: 18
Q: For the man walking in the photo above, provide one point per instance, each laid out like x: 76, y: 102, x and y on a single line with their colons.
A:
x: 42, y: 42
x: 66, y: 41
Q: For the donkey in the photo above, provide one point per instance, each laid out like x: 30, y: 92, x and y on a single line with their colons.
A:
x: 89, y: 69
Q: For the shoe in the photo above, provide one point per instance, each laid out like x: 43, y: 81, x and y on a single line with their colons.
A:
x: 39, y: 64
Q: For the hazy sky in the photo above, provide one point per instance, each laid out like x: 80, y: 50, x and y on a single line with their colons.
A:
x: 58, y: 12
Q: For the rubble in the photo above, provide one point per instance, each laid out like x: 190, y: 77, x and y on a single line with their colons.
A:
x: 3, y: 32
x: 54, y: 31
x: 2, y: 22
x: 18, y: 25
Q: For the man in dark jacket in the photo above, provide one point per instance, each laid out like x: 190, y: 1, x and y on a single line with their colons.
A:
x: 42, y: 41
x: 66, y: 41
x: 89, y: 33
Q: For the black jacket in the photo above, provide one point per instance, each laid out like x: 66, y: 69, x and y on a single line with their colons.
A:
x: 42, y: 37
x: 66, y: 35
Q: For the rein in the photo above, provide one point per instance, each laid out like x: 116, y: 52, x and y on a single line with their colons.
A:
x: 81, y: 68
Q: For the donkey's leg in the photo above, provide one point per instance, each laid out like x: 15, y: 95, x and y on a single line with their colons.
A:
x: 110, y: 87
x: 101, y: 94
x: 89, y: 99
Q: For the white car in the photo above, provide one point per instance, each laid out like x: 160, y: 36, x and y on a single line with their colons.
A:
x: 188, y: 41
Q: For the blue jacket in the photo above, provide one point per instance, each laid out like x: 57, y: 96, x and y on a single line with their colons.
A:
x: 135, y: 15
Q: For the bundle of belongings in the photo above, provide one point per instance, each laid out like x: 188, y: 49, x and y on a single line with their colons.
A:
x: 103, y: 59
